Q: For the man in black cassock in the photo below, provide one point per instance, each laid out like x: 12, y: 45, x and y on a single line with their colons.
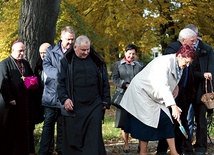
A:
x: 16, y: 118
x: 83, y: 89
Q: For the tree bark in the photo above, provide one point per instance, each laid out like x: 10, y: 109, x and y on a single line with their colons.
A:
x: 49, y: 15
x: 37, y: 24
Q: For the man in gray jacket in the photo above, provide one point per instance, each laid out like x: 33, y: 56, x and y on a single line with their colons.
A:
x: 50, y: 100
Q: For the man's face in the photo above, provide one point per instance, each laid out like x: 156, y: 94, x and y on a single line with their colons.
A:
x: 18, y: 51
x: 191, y: 41
x: 43, y: 49
x: 67, y: 39
x: 42, y: 53
x: 83, y: 50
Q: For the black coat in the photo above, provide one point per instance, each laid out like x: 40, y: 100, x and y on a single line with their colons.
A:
x: 104, y: 87
x: 203, y: 63
x: 39, y: 115
x: 85, y: 82
x: 17, y: 123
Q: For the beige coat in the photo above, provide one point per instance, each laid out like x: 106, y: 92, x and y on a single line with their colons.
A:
x: 151, y: 90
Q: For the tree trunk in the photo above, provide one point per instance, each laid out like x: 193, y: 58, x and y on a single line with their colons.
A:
x: 37, y: 24
x: 49, y: 15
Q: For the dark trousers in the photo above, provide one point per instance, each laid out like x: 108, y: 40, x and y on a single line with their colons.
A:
x: 201, y: 132
x: 181, y: 143
x: 52, y: 115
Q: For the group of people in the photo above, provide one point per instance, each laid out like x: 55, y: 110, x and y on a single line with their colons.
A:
x: 159, y: 96
x: 74, y: 92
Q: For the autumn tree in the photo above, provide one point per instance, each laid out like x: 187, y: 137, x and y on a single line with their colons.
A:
x: 146, y: 23
x: 9, y: 15
x: 110, y: 24
x: 37, y: 24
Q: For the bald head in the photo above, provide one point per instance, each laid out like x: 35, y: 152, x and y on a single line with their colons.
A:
x: 42, y: 49
x: 18, y: 49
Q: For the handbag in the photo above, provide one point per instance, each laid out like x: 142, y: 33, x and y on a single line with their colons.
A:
x: 208, y: 98
x: 31, y: 82
x: 117, y: 97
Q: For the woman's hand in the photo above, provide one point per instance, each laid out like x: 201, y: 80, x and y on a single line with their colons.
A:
x: 176, y: 112
x: 127, y: 85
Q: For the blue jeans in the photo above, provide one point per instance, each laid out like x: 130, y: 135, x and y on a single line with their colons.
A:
x: 52, y: 115
x: 190, y: 119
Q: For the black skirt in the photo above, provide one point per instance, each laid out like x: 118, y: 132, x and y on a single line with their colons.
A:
x: 143, y: 132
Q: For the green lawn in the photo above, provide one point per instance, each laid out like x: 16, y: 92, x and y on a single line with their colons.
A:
x: 111, y: 135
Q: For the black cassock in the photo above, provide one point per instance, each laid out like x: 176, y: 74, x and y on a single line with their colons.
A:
x: 83, y: 133
x: 16, y: 121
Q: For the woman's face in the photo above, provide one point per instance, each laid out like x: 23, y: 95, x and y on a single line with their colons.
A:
x: 130, y: 55
x: 183, y: 62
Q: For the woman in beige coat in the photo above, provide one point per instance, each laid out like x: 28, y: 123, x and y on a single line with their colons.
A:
x: 152, y: 92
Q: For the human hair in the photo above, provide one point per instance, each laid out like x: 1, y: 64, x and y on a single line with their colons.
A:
x: 187, y: 51
x: 82, y: 39
x: 131, y: 47
x: 192, y: 27
x: 186, y: 33
x: 68, y: 29
x: 200, y: 35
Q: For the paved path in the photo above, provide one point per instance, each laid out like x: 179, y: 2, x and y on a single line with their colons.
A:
x: 117, y: 148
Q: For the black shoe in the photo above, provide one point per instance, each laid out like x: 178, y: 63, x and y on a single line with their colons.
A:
x: 126, y: 151
x: 138, y: 149
x: 161, y: 153
x: 199, y: 153
x: 59, y: 153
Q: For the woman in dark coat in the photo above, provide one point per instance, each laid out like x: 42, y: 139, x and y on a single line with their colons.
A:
x: 123, y: 72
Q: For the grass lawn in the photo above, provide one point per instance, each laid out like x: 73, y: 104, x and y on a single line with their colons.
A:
x: 111, y: 135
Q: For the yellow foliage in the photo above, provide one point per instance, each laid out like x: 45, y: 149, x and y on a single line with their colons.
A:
x: 112, y: 24
x: 8, y: 26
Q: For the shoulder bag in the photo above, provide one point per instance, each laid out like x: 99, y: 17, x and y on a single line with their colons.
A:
x: 117, y: 97
x: 208, y: 98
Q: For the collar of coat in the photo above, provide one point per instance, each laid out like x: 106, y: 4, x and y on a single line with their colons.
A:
x: 123, y: 61
x: 200, y: 49
x: 94, y: 55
